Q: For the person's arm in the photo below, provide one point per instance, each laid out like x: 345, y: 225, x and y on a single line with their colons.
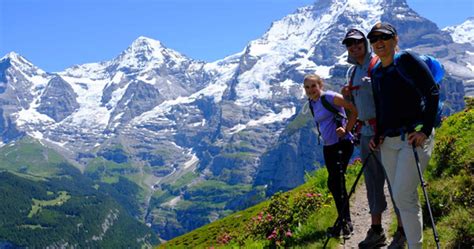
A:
x: 352, y: 114
x: 377, y: 139
x: 428, y: 89
x: 345, y: 90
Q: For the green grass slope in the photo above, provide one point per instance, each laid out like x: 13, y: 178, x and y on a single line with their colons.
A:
x: 65, y: 213
x: 27, y: 157
x: 47, y: 202
x: 297, y: 218
x: 451, y: 182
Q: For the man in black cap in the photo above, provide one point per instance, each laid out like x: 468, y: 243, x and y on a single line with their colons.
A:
x: 359, y: 90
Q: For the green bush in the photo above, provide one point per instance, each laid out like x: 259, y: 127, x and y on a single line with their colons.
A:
x: 451, y: 188
x: 455, y: 230
x: 454, y: 148
x: 444, y: 197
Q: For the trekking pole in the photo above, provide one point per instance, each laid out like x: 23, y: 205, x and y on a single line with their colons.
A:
x: 435, y: 233
x: 343, y: 189
x: 350, y: 194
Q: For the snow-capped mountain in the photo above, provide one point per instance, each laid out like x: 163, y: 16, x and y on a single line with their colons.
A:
x: 462, y: 33
x: 240, y: 121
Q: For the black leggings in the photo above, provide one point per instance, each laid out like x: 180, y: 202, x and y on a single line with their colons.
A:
x: 335, y: 157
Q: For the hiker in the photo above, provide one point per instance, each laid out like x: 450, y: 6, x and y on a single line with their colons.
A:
x: 404, y: 119
x: 338, y: 146
x: 359, y: 90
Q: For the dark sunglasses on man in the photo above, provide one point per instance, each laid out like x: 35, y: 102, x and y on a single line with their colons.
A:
x: 383, y: 37
x: 350, y: 42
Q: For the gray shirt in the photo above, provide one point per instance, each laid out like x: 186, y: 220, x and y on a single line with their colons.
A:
x: 363, y: 97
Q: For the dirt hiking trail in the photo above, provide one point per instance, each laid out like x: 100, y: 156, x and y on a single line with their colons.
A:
x: 361, y: 217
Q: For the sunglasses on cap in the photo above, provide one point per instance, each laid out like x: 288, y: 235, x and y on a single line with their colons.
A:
x: 383, y: 37
x: 350, y: 42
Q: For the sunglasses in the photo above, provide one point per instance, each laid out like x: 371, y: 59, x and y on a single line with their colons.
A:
x: 350, y: 42
x: 383, y: 37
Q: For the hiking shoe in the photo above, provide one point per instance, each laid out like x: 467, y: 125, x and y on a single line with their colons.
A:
x: 373, y: 240
x: 347, y: 230
x: 334, y: 231
x: 398, y: 242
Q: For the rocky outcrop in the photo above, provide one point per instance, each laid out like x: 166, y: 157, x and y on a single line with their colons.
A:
x: 296, y: 153
x: 58, y: 100
x: 137, y: 99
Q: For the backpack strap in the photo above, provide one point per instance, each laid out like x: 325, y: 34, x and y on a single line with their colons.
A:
x: 338, y: 116
x: 352, y: 71
x: 317, y: 123
x: 328, y: 105
x: 373, y: 61
x: 402, y: 72
x: 311, y: 107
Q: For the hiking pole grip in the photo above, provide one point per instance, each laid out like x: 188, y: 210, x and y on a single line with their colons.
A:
x: 420, y: 173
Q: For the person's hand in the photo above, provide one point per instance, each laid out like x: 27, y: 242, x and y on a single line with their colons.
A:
x: 417, y: 138
x: 340, y: 132
x: 345, y: 91
x: 375, y: 143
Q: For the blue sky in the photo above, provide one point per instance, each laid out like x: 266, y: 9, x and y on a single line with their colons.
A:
x: 56, y: 34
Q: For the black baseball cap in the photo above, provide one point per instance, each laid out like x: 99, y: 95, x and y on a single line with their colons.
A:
x: 382, y: 27
x: 353, y: 34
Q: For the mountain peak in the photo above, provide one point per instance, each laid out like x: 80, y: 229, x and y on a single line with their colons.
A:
x: 147, y: 47
x: 10, y: 55
x: 462, y: 33
x: 144, y: 41
x: 16, y: 58
x: 145, y: 52
x: 21, y: 63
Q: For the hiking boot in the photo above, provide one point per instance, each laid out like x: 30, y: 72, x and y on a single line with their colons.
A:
x: 373, y: 240
x: 334, y: 232
x: 398, y: 242
x: 347, y: 230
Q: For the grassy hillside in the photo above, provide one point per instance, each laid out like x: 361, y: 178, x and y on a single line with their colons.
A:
x: 65, y: 212
x: 47, y: 202
x: 29, y: 158
x: 451, y: 182
x: 299, y: 218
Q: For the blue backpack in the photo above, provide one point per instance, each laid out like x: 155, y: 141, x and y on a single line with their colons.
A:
x: 437, y: 72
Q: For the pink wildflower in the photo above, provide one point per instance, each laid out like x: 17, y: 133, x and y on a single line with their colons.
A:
x: 272, y: 235
x: 269, y: 217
